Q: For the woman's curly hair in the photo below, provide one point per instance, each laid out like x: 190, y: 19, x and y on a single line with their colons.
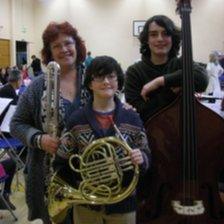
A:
x: 52, y: 32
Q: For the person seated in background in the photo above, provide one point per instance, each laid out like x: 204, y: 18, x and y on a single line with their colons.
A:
x: 4, y: 75
x: 9, y: 167
x: 14, y: 83
x: 26, y: 80
x: 9, y: 89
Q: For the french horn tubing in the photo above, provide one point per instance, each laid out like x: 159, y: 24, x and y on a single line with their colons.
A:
x: 108, y: 176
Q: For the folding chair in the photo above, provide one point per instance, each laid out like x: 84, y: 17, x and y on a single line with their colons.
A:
x: 11, y: 145
x: 3, y: 177
x: 8, y: 143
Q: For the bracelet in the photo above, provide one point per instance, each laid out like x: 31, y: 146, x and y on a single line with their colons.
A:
x: 38, y: 141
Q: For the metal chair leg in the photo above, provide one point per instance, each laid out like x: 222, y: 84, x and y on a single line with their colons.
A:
x: 8, y: 208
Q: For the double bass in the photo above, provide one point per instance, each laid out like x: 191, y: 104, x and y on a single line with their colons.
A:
x: 187, y: 143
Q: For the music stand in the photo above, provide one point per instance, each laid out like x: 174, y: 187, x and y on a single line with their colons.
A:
x: 4, y: 102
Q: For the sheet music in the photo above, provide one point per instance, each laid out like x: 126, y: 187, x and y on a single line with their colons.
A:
x: 4, y: 102
x: 5, y: 123
x: 216, y: 107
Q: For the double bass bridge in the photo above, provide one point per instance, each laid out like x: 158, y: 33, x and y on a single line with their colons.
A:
x: 196, y: 209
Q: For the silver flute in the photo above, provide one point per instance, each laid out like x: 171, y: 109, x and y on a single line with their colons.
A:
x: 52, y: 113
x: 53, y: 85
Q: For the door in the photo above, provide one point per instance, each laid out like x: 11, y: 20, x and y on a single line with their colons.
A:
x: 4, y: 53
x: 21, y: 53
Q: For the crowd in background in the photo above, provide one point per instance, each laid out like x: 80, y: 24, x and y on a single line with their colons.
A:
x: 25, y: 76
x: 29, y: 72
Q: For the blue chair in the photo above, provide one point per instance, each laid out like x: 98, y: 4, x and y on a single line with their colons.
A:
x: 221, y: 80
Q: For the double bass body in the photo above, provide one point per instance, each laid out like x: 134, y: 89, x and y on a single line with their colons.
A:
x: 166, y: 178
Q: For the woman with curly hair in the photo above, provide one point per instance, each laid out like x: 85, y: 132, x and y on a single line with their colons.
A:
x: 62, y: 44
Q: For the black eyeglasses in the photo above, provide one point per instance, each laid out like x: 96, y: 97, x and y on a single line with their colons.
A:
x: 110, y: 78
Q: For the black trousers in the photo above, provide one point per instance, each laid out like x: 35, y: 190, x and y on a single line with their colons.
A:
x: 10, y: 169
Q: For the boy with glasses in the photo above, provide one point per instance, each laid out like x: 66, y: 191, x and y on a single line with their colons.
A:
x: 104, y: 77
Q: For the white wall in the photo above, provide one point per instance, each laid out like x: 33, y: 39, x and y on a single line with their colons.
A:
x: 106, y: 25
x: 5, y: 19
x: 207, y: 27
x: 16, y: 18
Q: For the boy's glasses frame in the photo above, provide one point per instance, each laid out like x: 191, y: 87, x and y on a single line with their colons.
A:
x: 109, y: 77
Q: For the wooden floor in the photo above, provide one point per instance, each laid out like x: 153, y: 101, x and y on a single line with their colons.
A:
x: 18, y: 199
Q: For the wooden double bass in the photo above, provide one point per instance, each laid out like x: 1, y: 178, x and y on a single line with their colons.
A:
x: 187, y: 143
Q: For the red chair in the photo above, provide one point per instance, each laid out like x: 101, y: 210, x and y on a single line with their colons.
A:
x: 3, y: 177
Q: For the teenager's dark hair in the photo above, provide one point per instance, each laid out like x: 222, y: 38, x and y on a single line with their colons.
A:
x: 52, y: 32
x: 171, y: 30
x: 102, y: 66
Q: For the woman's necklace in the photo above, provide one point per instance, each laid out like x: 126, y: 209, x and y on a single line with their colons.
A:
x: 68, y: 88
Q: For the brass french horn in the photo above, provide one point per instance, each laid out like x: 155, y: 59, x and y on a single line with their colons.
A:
x: 108, y: 176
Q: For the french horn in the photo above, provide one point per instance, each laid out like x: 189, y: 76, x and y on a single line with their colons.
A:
x: 107, y: 176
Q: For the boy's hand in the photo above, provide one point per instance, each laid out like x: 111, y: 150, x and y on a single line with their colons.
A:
x: 136, y: 156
